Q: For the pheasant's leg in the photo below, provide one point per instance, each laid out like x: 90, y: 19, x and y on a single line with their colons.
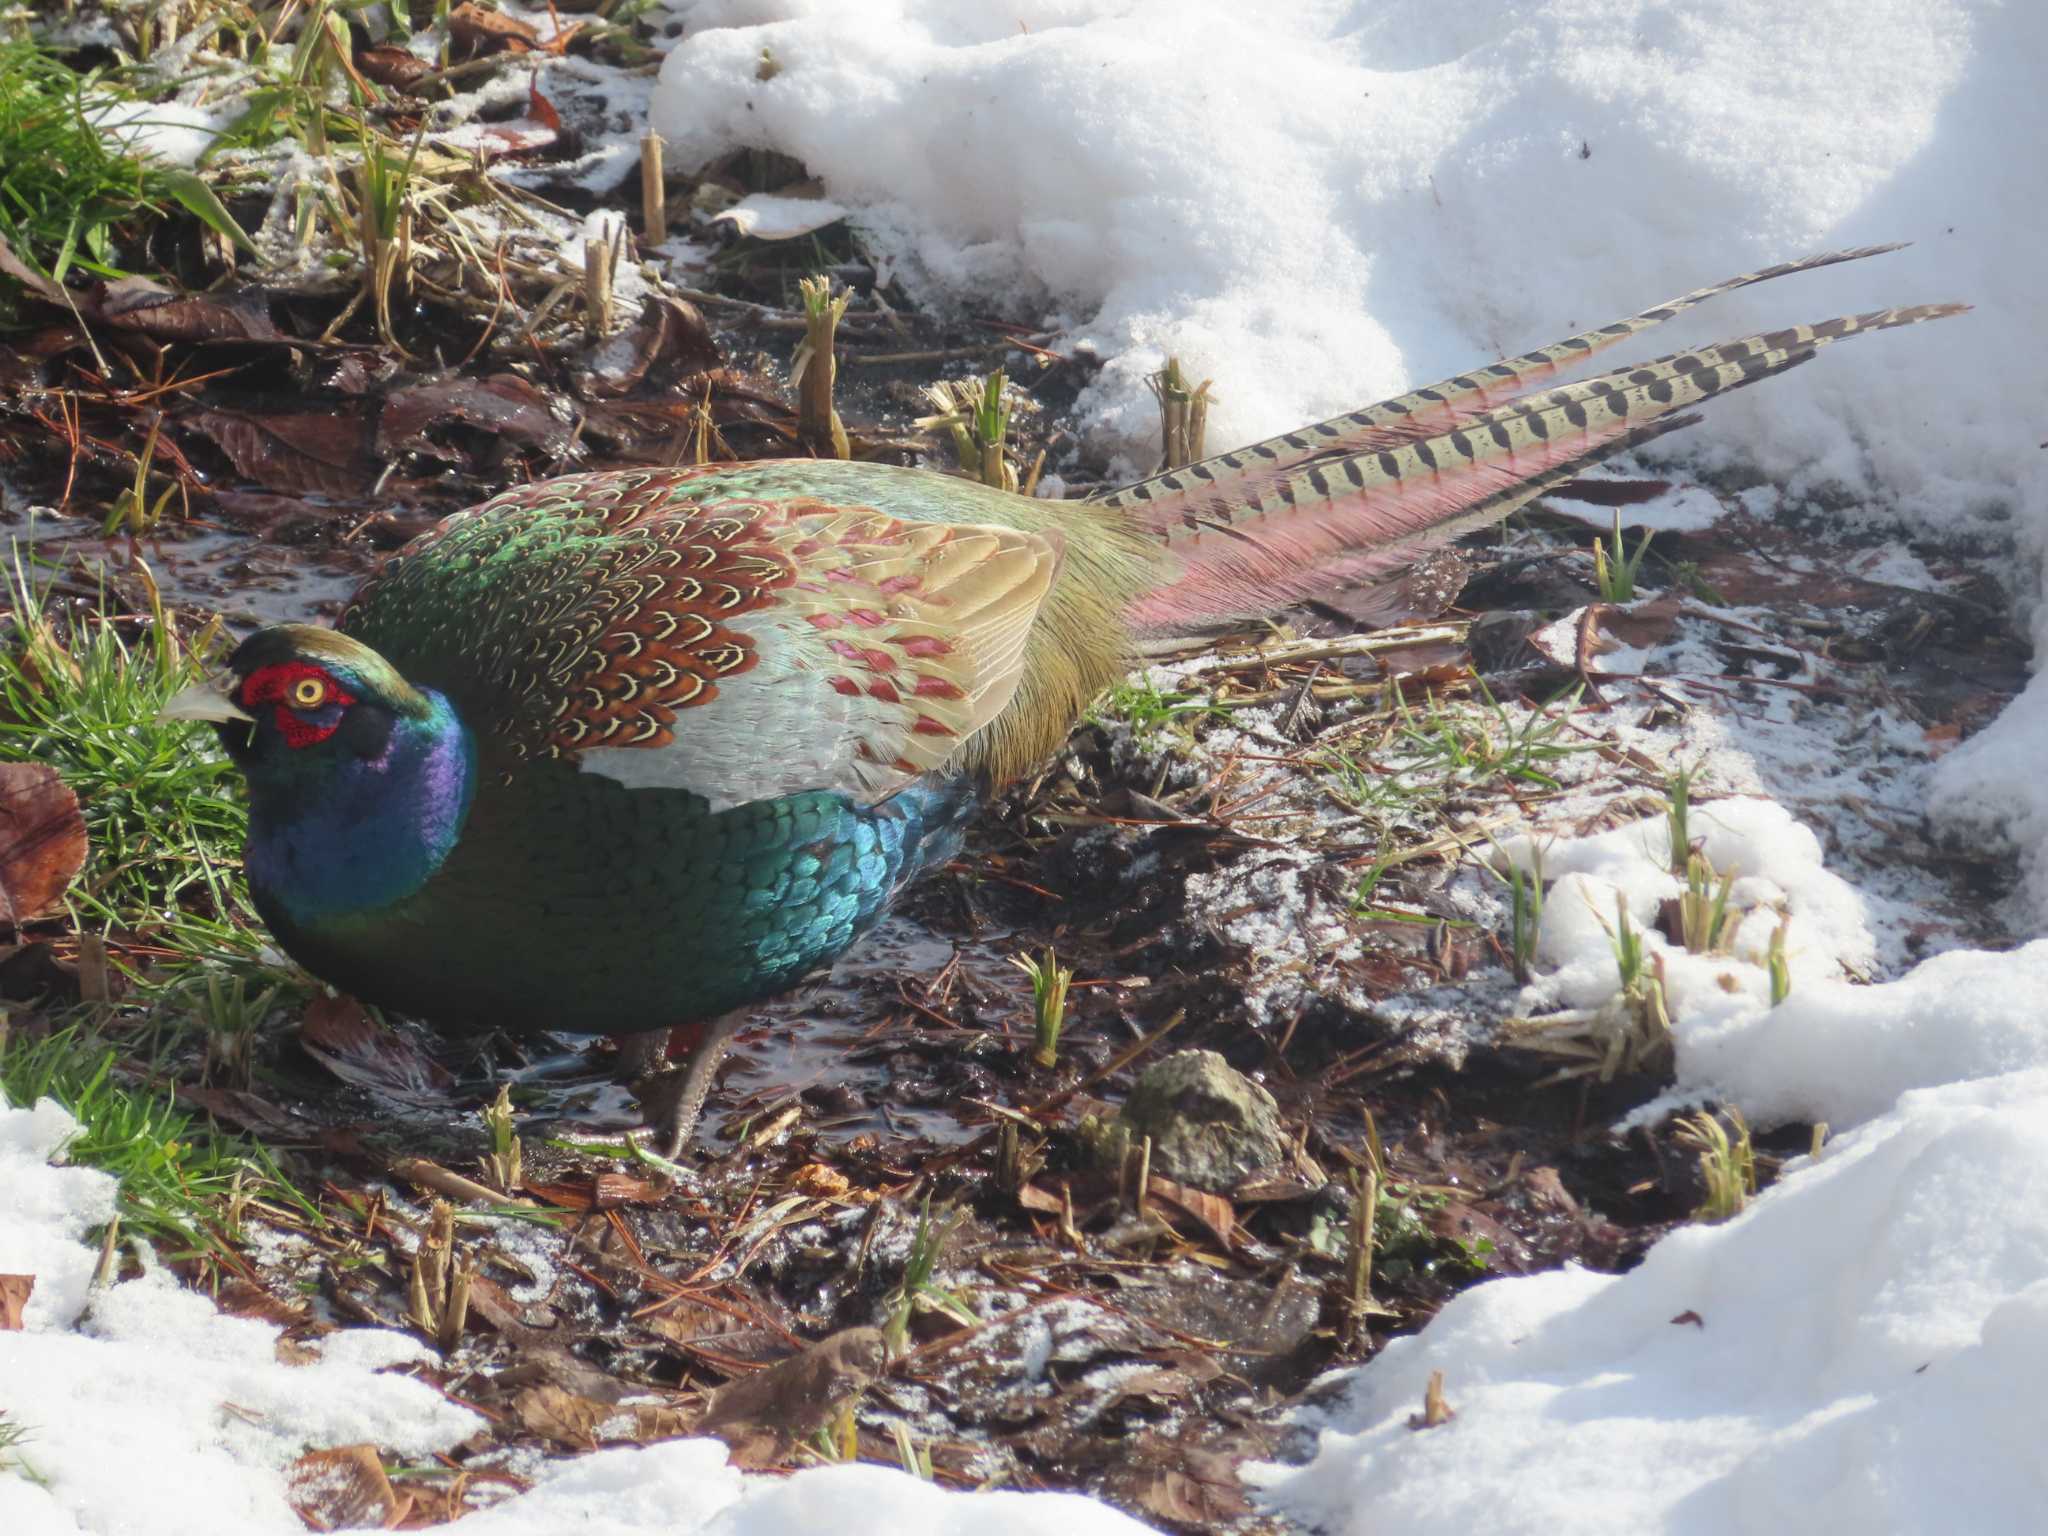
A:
x: 674, y: 1100
x: 643, y: 1052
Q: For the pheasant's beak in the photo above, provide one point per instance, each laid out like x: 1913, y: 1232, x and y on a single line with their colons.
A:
x: 204, y: 701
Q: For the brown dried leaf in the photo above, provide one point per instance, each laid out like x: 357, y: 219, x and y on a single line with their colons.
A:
x: 15, y: 1291
x: 603, y: 1191
x: 1186, y: 1496
x: 560, y: 1416
x: 671, y: 343
x: 162, y: 314
x: 474, y: 30
x: 790, y: 1401
x: 1212, y: 1211
x: 822, y: 1182
x: 42, y: 840
x: 1032, y: 1198
x: 326, y: 451
x: 503, y: 405
x: 391, y: 66
x: 343, y: 1488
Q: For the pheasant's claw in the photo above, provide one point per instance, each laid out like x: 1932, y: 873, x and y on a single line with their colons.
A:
x: 673, y: 1100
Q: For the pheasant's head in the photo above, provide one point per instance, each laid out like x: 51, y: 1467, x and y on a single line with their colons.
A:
x: 358, y: 781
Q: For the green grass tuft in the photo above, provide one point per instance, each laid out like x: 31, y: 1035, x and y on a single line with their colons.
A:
x: 162, y: 805
x: 183, y: 1183
x: 67, y: 189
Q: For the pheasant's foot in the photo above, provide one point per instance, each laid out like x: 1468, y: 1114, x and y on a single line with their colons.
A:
x: 674, y: 1101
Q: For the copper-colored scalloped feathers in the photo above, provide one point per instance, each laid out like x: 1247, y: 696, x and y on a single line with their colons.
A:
x: 586, y: 612
x: 663, y: 644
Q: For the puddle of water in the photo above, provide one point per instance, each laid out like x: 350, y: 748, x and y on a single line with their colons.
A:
x: 200, y: 566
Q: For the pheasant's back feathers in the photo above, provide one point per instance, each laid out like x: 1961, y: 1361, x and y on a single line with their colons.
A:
x: 607, y: 618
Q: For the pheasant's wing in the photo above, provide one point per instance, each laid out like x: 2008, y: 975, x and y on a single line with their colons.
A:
x: 736, y: 647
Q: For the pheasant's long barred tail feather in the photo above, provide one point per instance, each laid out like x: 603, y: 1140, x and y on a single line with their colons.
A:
x: 1229, y: 478
x: 1355, y: 518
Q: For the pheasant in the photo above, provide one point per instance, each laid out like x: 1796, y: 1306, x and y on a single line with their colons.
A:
x: 621, y: 752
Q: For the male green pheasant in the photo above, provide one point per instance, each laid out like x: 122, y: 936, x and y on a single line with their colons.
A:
x: 630, y: 750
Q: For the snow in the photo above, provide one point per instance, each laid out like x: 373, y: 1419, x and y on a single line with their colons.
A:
x: 1840, y: 1358
x: 203, y: 1417
x: 194, y: 1407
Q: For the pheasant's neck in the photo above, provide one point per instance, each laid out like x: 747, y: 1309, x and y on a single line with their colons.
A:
x: 369, y: 831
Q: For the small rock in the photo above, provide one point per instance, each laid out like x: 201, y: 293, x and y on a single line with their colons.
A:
x: 1211, y: 1126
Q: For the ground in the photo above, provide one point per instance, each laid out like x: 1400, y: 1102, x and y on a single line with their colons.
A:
x: 1277, y: 846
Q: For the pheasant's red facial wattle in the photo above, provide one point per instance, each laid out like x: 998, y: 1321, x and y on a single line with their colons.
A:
x: 309, y: 703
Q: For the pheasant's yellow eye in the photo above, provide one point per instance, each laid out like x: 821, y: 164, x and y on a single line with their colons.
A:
x: 309, y: 693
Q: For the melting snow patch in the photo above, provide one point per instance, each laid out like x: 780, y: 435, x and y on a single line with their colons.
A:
x: 1841, y: 1358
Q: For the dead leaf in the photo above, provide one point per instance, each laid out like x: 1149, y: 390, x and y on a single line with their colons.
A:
x: 391, y: 66
x: 42, y: 840
x: 821, y: 1182
x: 327, y: 451
x: 1032, y: 1198
x: 474, y: 31
x: 1212, y: 1211
x: 15, y: 1291
x: 561, y: 1416
x: 503, y: 405
x: 541, y: 127
x: 603, y: 1191
x: 790, y: 1401
x: 344, y: 1039
x: 670, y: 343
x: 247, y: 1111
x: 1197, y: 1490
x: 163, y: 314
x: 1690, y: 1316
x: 343, y: 1488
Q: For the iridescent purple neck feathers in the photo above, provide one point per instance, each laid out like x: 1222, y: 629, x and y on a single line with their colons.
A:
x: 345, y: 832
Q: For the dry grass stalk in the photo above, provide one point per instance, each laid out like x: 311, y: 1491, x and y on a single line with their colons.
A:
x: 815, y: 369
x: 1435, y: 1410
x: 653, y: 194
x: 1183, y: 416
x: 599, y: 254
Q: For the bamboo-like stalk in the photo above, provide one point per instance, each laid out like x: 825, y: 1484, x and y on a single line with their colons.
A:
x: 653, y: 193
x: 597, y: 287
x: 815, y: 370
x: 1183, y: 416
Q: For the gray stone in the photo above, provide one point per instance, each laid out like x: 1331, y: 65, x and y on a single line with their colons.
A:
x: 1211, y: 1126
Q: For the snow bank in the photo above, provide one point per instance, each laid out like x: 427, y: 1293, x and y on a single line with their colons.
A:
x: 1844, y: 1357
x: 197, y: 1417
